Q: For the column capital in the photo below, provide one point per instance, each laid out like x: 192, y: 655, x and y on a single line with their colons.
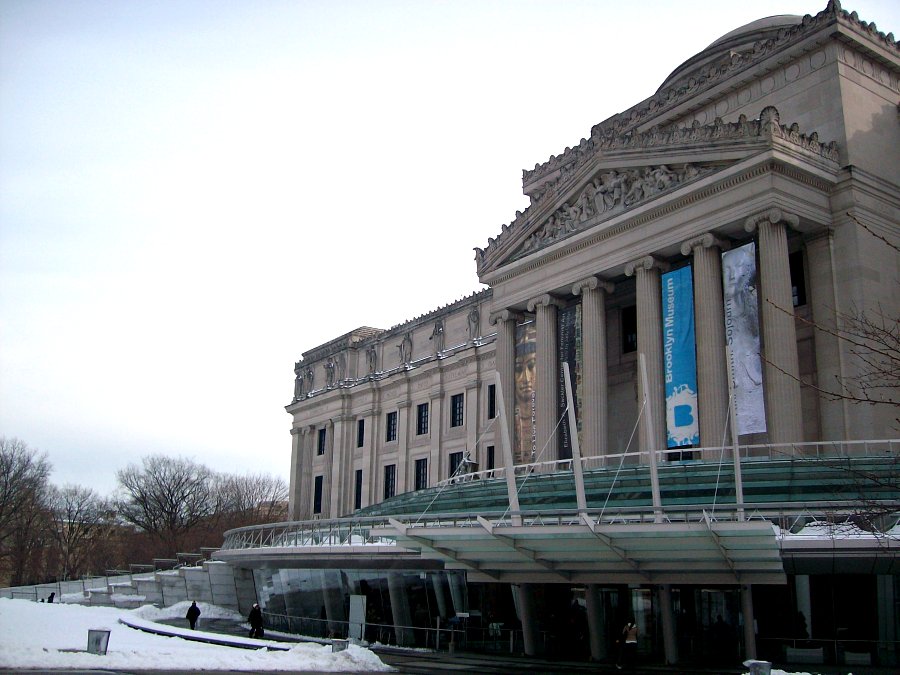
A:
x: 503, y: 315
x: 774, y: 216
x: 545, y: 300
x: 647, y: 263
x: 707, y: 240
x: 592, y: 283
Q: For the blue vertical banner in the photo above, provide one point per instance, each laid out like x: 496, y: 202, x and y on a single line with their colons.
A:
x: 679, y: 358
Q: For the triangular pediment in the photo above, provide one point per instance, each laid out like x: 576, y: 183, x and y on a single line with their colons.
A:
x: 627, y: 172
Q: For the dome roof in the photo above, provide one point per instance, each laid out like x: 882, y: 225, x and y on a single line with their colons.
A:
x: 739, y: 40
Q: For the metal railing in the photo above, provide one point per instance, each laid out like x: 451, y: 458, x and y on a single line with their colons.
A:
x: 748, y: 453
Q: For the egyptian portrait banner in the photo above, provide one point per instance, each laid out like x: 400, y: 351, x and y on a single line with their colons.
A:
x: 742, y: 337
x: 525, y: 440
x: 680, y: 358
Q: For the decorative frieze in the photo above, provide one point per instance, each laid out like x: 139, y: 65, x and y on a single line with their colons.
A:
x: 613, y: 191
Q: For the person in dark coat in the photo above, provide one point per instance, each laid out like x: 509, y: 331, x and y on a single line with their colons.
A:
x: 193, y: 614
x: 255, y: 620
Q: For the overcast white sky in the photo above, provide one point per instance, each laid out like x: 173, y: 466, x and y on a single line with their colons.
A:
x: 194, y: 193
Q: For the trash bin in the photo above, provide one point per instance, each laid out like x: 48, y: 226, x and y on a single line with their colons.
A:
x: 98, y: 640
x: 759, y: 667
x: 339, y: 645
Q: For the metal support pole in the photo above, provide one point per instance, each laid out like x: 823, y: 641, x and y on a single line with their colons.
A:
x: 735, y: 447
x: 511, y: 491
x: 648, y: 420
x: 577, y: 469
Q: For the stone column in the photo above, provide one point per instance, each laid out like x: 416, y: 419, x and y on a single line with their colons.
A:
x: 649, y: 338
x: 596, y: 622
x: 781, y: 367
x: 594, y: 407
x: 823, y: 303
x: 749, y: 621
x: 547, y: 372
x: 402, y: 617
x: 340, y: 463
x: 709, y: 327
x: 296, y: 494
x: 505, y: 358
x: 523, y: 595
x: 670, y: 641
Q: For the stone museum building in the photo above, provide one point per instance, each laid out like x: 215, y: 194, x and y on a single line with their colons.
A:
x: 676, y: 400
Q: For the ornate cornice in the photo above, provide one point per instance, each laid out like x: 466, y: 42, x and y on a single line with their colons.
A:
x: 693, y: 84
x: 612, y: 191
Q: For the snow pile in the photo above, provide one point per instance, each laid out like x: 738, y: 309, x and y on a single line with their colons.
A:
x: 179, y: 609
x: 41, y: 635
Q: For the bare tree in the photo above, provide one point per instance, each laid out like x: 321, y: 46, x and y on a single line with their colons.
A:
x: 251, y: 498
x: 81, y: 524
x: 166, y: 497
x: 23, y: 490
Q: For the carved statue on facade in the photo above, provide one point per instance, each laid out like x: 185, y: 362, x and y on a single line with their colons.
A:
x: 298, y: 381
x: 309, y: 378
x: 329, y: 372
x: 341, y: 363
x: 372, y: 359
x: 405, y: 348
x: 437, y: 336
x: 474, y: 319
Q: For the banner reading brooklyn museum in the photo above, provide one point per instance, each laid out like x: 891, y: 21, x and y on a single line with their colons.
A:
x: 679, y: 358
x: 742, y: 337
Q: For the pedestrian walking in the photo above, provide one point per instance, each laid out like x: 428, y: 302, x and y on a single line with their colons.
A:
x: 628, y: 654
x: 255, y: 620
x: 192, y: 615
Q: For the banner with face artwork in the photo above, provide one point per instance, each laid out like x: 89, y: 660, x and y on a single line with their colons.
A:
x: 679, y: 358
x: 742, y: 337
x: 525, y: 409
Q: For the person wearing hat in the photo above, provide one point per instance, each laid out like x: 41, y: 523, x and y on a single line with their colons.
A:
x: 255, y: 620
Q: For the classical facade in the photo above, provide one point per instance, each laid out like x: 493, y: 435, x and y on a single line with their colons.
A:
x: 684, y: 287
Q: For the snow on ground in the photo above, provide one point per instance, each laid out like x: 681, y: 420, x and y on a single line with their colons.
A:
x: 41, y: 635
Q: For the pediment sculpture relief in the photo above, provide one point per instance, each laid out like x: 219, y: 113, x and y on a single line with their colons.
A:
x: 610, y: 192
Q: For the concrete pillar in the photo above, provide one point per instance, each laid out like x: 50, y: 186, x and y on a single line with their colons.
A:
x: 649, y: 337
x: 749, y: 621
x: 340, y: 463
x: 333, y: 599
x: 547, y: 370
x: 709, y: 327
x: 295, y: 496
x: 401, y: 615
x: 596, y: 617
x: 829, y: 357
x: 887, y: 623
x: 505, y: 358
x: 458, y: 595
x: 440, y: 593
x: 781, y: 367
x: 670, y: 640
x: 523, y: 594
x: 804, y: 603
x: 595, y: 383
x: 403, y: 422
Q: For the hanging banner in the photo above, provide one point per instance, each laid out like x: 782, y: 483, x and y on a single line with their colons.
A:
x: 569, y: 345
x: 742, y: 337
x: 679, y: 358
x: 525, y: 409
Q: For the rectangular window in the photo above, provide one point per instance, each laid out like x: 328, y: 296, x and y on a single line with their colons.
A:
x: 317, y: 495
x: 320, y: 447
x: 421, y: 419
x: 629, y: 329
x: 492, y: 401
x: 455, y: 461
x: 360, y: 433
x: 390, y: 480
x: 798, y: 278
x: 457, y: 405
x: 390, y: 427
x: 422, y: 473
x: 490, y: 457
x: 357, y: 494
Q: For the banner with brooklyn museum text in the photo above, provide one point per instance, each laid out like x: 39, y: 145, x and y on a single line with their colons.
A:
x: 679, y: 358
